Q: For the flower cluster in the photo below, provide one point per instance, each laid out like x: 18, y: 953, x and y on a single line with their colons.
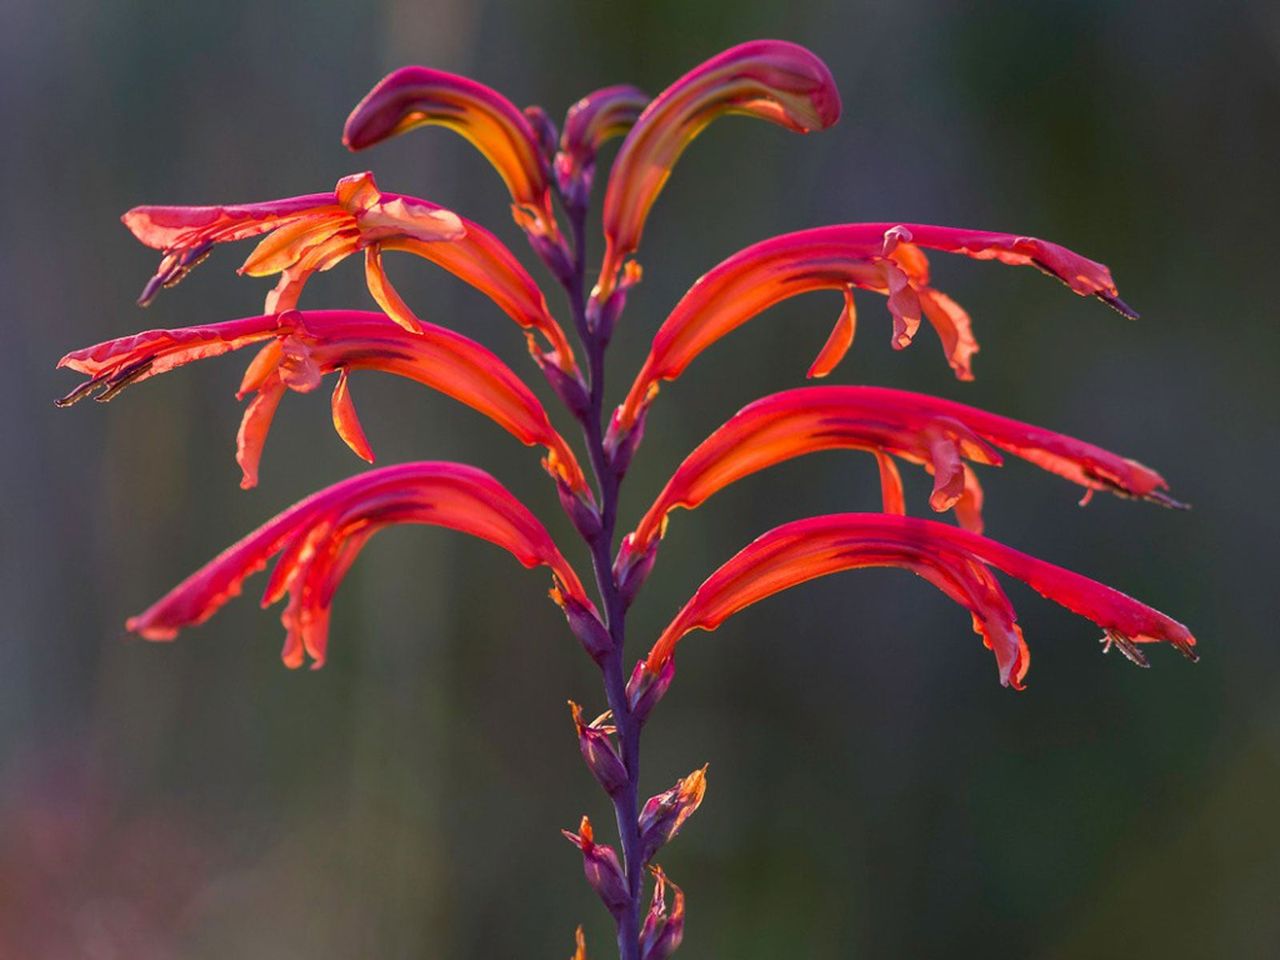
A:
x: 549, y: 174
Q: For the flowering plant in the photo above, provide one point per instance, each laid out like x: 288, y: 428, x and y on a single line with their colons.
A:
x: 549, y: 174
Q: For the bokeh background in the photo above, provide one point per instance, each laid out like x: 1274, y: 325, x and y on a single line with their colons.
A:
x: 873, y: 791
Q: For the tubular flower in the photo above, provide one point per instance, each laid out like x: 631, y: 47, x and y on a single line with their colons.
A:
x: 319, y: 538
x: 315, y: 232
x: 770, y: 79
x: 413, y: 97
x: 590, y: 123
x: 950, y: 558
x: 882, y: 257
x: 301, y: 347
x: 938, y: 434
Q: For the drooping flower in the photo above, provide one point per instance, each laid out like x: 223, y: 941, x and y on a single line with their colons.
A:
x: 319, y: 538
x: 589, y: 124
x: 952, y: 559
x: 882, y: 257
x: 413, y: 97
x: 938, y: 434
x: 769, y: 79
x: 317, y: 231
x: 302, y: 346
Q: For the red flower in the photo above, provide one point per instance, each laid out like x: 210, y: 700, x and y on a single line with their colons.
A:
x: 303, y: 347
x: 315, y: 232
x: 770, y: 79
x: 938, y: 434
x: 950, y: 558
x: 413, y: 97
x: 882, y: 257
x: 319, y: 538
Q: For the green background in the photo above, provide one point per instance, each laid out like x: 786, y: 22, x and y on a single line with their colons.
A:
x: 873, y: 791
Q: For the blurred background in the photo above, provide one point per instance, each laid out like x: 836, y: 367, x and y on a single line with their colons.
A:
x: 873, y: 791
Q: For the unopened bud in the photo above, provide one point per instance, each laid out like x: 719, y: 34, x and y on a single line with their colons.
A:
x: 554, y: 255
x: 664, y: 814
x: 602, y: 869
x: 662, y: 932
x: 585, y: 517
x: 595, y: 741
x: 545, y: 129
x: 586, y: 626
x: 568, y: 387
x: 620, y: 443
x: 645, y: 688
x: 631, y: 568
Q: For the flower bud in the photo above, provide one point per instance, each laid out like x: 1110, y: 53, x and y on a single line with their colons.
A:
x: 645, y: 688
x: 586, y: 520
x: 620, y: 443
x: 544, y: 128
x: 586, y: 626
x: 595, y: 741
x: 664, y: 814
x: 602, y: 869
x: 662, y: 932
x: 567, y: 387
x: 631, y: 568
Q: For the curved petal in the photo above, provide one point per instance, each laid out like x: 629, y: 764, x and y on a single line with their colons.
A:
x: 882, y: 257
x: 770, y: 79
x: 320, y: 537
x: 921, y: 429
x: 322, y: 341
x: 950, y: 558
x: 412, y: 97
x: 589, y: 124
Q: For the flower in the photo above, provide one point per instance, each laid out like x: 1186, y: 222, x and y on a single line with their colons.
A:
x: 316, y: 231
x: 413, y: 97
x: 950, y: 558
x: 302, y: 346
x: 770, y: 79
x: 882, y: 257
x: 939, y: 434
x: 590, y: 123
x: 595, y: 740
x: 319, y: 538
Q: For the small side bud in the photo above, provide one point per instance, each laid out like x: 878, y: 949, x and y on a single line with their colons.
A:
x: 586, y: 626
x: 662, y: 931
x: 585, y: 517
x: 596, y: 743
x: 664, y: 814
x: 567, y: 387
x: 554, y: 255
x: 602, y: 869
x: 631, y: 568
x: 646, y: 687
x: 620, y: 443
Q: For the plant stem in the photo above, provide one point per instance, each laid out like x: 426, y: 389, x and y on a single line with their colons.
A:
x: 626, y: 803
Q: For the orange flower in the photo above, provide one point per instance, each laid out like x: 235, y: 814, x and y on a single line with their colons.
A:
x: 590, y: 123
x: 319, y: 538
x: 315, y: 232
x: 301, y: 347
x: 883, y: 257
x: 938, y: 434
x: 770, y: 79
x: 413, y: 97
x: 950, y: 558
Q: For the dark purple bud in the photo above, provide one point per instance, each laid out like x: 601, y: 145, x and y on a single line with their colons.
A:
x: 664, y: 814
x: 584, y: 515
x: 586, y: 626
x: 595, y: 741
x: 631, y: 569
x: 568, y: 387
x: 662, y: 932
x: 620, y: 444
x: 545, y: 130
x: 645, y: 688
x: 554, y: 255
x: 601, y: 866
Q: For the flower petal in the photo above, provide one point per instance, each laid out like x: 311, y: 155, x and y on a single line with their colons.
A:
x: 392, y: 303
x: 947, y: 556
x: 321, y: 535
x: 921, y: 429
x: 254, y: 426
x: 412, y: 97
x: 346, y: 422
x: 770, y: 79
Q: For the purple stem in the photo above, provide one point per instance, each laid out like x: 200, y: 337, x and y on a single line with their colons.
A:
x: 626, y: 803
